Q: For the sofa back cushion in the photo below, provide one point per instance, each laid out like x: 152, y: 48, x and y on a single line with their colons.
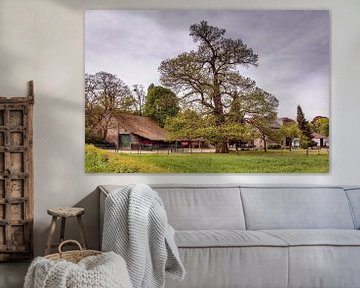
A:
x: 354, y: 198
x: 203, y: 208
x: 296, y: 208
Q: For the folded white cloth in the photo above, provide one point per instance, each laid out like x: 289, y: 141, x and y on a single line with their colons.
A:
x: 136, y: 227
x: 107, y: 270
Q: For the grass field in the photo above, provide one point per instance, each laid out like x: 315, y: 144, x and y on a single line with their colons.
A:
x: 273, y: 161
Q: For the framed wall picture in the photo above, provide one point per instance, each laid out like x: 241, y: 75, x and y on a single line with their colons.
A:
x: 190, y: 91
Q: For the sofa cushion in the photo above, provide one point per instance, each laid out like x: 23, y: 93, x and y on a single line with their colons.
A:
x: 296, y: 208
x: 324, y: 266
x: 192, y: 208
x: 224, y: 267
x: 317, y: 237
x: 354, y: 198
x: 226, y: 238
x: 322, y: 258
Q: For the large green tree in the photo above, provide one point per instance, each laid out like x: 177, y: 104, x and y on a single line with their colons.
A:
x: 105, y: 96
x: 209, y: 78
x: 189, y: 125
x: 185, y: 125
x: 161, y: 103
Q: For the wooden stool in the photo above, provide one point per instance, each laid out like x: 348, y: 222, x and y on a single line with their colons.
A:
x: 64, y: 213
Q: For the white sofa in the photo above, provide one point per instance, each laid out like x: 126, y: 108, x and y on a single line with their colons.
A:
x: 264, y: 237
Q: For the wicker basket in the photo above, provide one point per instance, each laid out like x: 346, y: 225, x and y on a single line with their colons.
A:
x: 72, y: 256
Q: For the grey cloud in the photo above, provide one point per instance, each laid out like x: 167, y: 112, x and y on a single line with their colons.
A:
x: 293, y: 48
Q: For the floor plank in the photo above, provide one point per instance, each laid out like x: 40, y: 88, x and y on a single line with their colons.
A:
x: 12, y: 274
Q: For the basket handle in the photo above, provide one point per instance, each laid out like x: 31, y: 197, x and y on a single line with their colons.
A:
x: 69, y: 241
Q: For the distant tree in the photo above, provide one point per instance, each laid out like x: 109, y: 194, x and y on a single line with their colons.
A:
x: 305, y: 128
x: 290, y: 132
x: 140, y: 98
x: 160, y: 103
x: 321, y: 125
x: 265, y: 130
x: 209, y: 76
x: 105, y: 96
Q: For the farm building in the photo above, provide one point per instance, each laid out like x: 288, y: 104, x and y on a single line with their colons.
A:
x: 128, y: 131
x: 320, y: 140
x: 132, y: 132
x: 287, y: 121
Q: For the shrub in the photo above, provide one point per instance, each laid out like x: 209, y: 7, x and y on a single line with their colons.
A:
x: 274, y: 147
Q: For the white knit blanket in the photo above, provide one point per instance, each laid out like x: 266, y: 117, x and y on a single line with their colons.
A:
x: 136, y: 227
x: 103, y: 271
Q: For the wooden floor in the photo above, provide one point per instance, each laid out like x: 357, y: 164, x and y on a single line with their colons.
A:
x: 12, y: 274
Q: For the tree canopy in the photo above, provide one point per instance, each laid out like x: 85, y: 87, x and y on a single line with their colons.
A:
x: 189, y: 125
x: 290, y: 131
x: 321, y: 125
x: 161, y: 103
x: 208, y: 78
x: 186, y: 125
x: 265, y: 131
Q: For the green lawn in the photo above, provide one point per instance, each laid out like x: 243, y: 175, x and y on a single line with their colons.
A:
x: 273, y: 161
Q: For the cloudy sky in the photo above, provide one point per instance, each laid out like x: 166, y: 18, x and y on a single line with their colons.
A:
x: 293, y: 49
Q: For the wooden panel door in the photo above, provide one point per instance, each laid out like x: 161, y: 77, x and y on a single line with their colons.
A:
x: 16, y: 177
x: 125, y: 141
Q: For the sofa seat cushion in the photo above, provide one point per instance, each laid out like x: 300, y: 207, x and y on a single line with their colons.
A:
x: 225, y: 238
x: 322, y: 258
x: 317, y: 237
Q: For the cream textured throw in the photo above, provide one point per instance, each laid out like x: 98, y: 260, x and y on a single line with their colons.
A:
x: 136, y: 227
x: 103, y: 271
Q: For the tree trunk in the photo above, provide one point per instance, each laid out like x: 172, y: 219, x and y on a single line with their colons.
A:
x: 290, y: 144
x: 265, y: 144
x: 221, y: 147
x: 104, y: 134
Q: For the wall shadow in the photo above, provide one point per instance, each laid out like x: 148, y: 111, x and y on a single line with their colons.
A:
x: 91, y: 223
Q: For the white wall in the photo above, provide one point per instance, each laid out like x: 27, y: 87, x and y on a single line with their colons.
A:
x: 43, y: 40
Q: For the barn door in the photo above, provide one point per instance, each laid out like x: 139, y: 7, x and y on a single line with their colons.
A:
x: 16, y: 196
x: 125, y: 141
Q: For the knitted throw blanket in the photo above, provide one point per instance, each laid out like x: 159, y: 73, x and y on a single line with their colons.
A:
x: 103, y: 271
x: 136, y: 227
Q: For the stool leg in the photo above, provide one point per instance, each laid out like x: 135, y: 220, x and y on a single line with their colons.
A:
x: 62, y: 231
x: 82, y: 232
x: 51, y: 235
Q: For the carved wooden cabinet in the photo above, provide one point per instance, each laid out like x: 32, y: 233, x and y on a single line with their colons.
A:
x: 16, y: 177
